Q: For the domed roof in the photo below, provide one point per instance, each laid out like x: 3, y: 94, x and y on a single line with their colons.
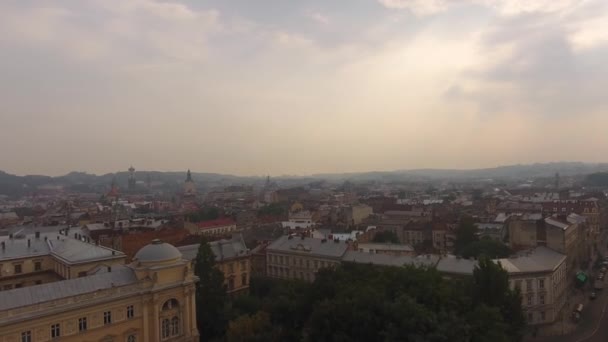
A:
x: 158, y: 251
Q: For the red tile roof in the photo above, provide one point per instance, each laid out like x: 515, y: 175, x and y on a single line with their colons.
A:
x: 225, y: 221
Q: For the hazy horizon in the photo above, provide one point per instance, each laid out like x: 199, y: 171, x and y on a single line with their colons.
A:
x: 299, y: 175
x: 298, y: 88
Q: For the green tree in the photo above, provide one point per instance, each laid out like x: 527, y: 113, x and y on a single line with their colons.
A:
x: 252, y: 328
x: 466, y: 233
x: 488, y: 247
x: 210, y: 294
x: 386, y: 236
x: 491, y: 287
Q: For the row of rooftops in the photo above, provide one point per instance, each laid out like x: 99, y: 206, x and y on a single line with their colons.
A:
x: 539, y: 259
x: 69, y: 249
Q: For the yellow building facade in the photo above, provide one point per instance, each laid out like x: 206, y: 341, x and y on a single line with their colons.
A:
x: 151, y: 299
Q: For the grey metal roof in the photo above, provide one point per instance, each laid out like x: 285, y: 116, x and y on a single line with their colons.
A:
x: 539, y: 259
x: 120, y: 276
x: 222, y: 249
x: 386, y: 247
x: 67, y: 248
x: 389, y: 260
x: 308, y: 246
x: 454, y: 265
x: 75, y: 251
x: 158, y: 251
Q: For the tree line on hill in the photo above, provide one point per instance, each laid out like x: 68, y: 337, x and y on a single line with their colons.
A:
x: 356, y: 302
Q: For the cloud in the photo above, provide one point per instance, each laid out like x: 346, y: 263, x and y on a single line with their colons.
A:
x: 319, y: 18
x: 533, y: 66
x: 503, y: 7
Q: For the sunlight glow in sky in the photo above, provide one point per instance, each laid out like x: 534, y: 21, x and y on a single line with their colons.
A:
x: 300, y: 87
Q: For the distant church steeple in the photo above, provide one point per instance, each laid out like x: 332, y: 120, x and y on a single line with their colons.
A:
x: 189, y: 176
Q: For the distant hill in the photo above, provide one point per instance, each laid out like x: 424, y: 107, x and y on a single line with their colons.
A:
x: 84, y: 182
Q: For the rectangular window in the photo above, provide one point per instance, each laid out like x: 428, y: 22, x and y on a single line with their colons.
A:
x: 529, y: 300
x: 26, y: 336
x: 518, y: 285
x: 541, y: 299
x: 17, y: 269
x: 301, y: 263
x: 37, y: 266
x: 107, y: 317
x: 130, y: 311
x: 244, y: 277
x: 307, y: 263
x: 528, y: 285
x: 542, y: 315
x: 244, y: 265
x: 55, y: 331
x: 316, y: 264
x: 82, y: 324
x: 530, y: 317
x: 231, y: 267
x: 231, y: 283
x: 38, y: 282
x: 541, y: 283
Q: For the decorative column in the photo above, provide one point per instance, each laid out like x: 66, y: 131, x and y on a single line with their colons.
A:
x: 193, y: 325
x: 146, y: 325
x: 156, y: 320
x: 187, y: 312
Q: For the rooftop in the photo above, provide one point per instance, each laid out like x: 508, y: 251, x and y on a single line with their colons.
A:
x: 389, y: 260
x: 222, y: 249
x: 37, y: 294
x: 216, y: 223
x: 386, y: 247
x: 298, y: 245
x: 539, y: 259
x: 453, y: 265
x: 64, y: 247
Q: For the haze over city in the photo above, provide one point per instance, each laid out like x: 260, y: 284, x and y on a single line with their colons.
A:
x: 286, y: 87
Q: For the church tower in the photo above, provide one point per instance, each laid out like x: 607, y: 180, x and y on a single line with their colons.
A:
x: 132, y: 180
x: 189, y: 186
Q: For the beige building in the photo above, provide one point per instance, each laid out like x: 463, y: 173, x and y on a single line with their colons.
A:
x: 152, y: 299
x: 232, y: 258
x: 292, y: 257
x: 541, y: 274
x: 385, y: 248
x: 34, y: 259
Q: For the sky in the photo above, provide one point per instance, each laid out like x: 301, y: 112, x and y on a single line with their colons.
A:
x: 300, y: 87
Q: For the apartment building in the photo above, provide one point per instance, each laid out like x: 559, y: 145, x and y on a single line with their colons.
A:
x: 294, y: 257
x: 28, y: 259
x: 541, y: 275
x: 232, y: 258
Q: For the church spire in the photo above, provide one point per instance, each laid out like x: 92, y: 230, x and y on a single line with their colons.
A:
x: 189, y: 176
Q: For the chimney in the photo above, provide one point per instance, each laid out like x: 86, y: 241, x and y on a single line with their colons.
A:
x: 3, y: 245
x: 109, y: 268
x: 37, y: 235
x: 75, y: 235
x: 113, y: 252
x: 45, y: 238
x: 29, y: 243
x: 10, y: 236
x: 57, y: 237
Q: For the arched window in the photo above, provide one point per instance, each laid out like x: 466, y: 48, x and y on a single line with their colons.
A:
x: 165, y: 328
x: 174, y: 326
x: 171, y: 304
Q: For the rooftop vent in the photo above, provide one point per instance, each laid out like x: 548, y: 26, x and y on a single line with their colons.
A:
x: 37, y: 234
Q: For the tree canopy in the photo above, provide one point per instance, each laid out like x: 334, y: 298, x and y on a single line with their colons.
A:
x: 210, y: 294
x: 386, y: 236
x: 358, y: 302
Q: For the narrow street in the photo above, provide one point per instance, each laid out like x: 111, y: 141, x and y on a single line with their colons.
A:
x: 593, y: 326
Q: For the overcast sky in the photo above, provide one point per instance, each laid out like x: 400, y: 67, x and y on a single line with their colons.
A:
x: 298, y: 87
